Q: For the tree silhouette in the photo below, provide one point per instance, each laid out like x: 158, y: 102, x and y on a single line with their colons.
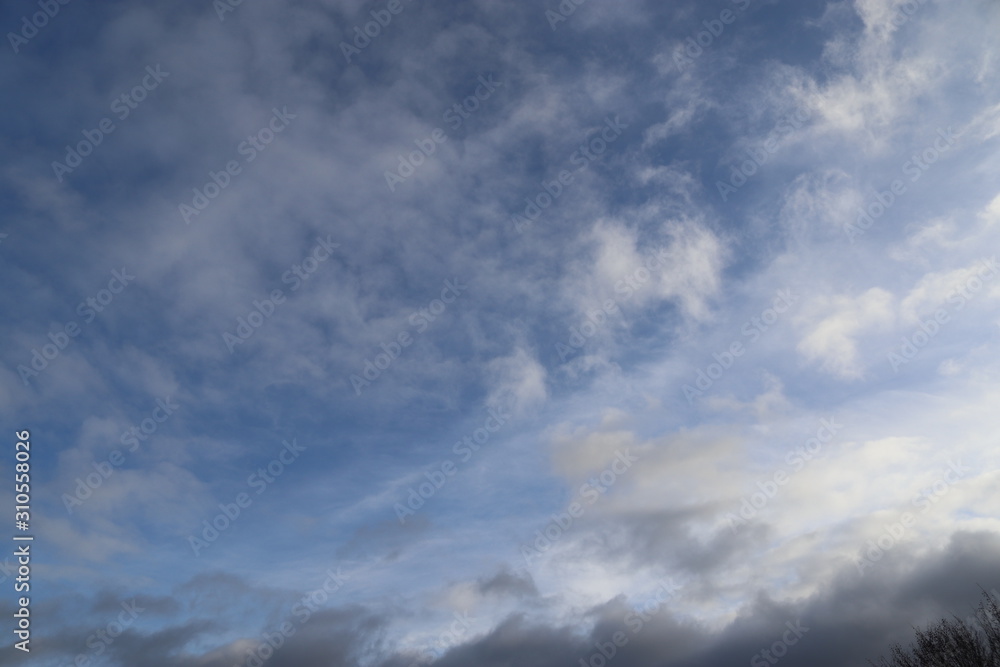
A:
x: 953, y: 643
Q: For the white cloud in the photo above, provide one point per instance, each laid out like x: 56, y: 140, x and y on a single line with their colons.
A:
x: 518, y: 382
x: 832, y: 326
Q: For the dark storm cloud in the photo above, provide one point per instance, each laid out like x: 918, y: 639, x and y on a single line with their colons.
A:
x: 506, y: 582
x: 666, y: 539
x: 854, y: 620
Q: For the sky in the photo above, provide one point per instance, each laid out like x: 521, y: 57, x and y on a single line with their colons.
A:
x: 635, y: 333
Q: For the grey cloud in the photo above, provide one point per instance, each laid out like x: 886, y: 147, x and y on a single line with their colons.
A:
x: 506, y: 582
x: 851, y: 619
